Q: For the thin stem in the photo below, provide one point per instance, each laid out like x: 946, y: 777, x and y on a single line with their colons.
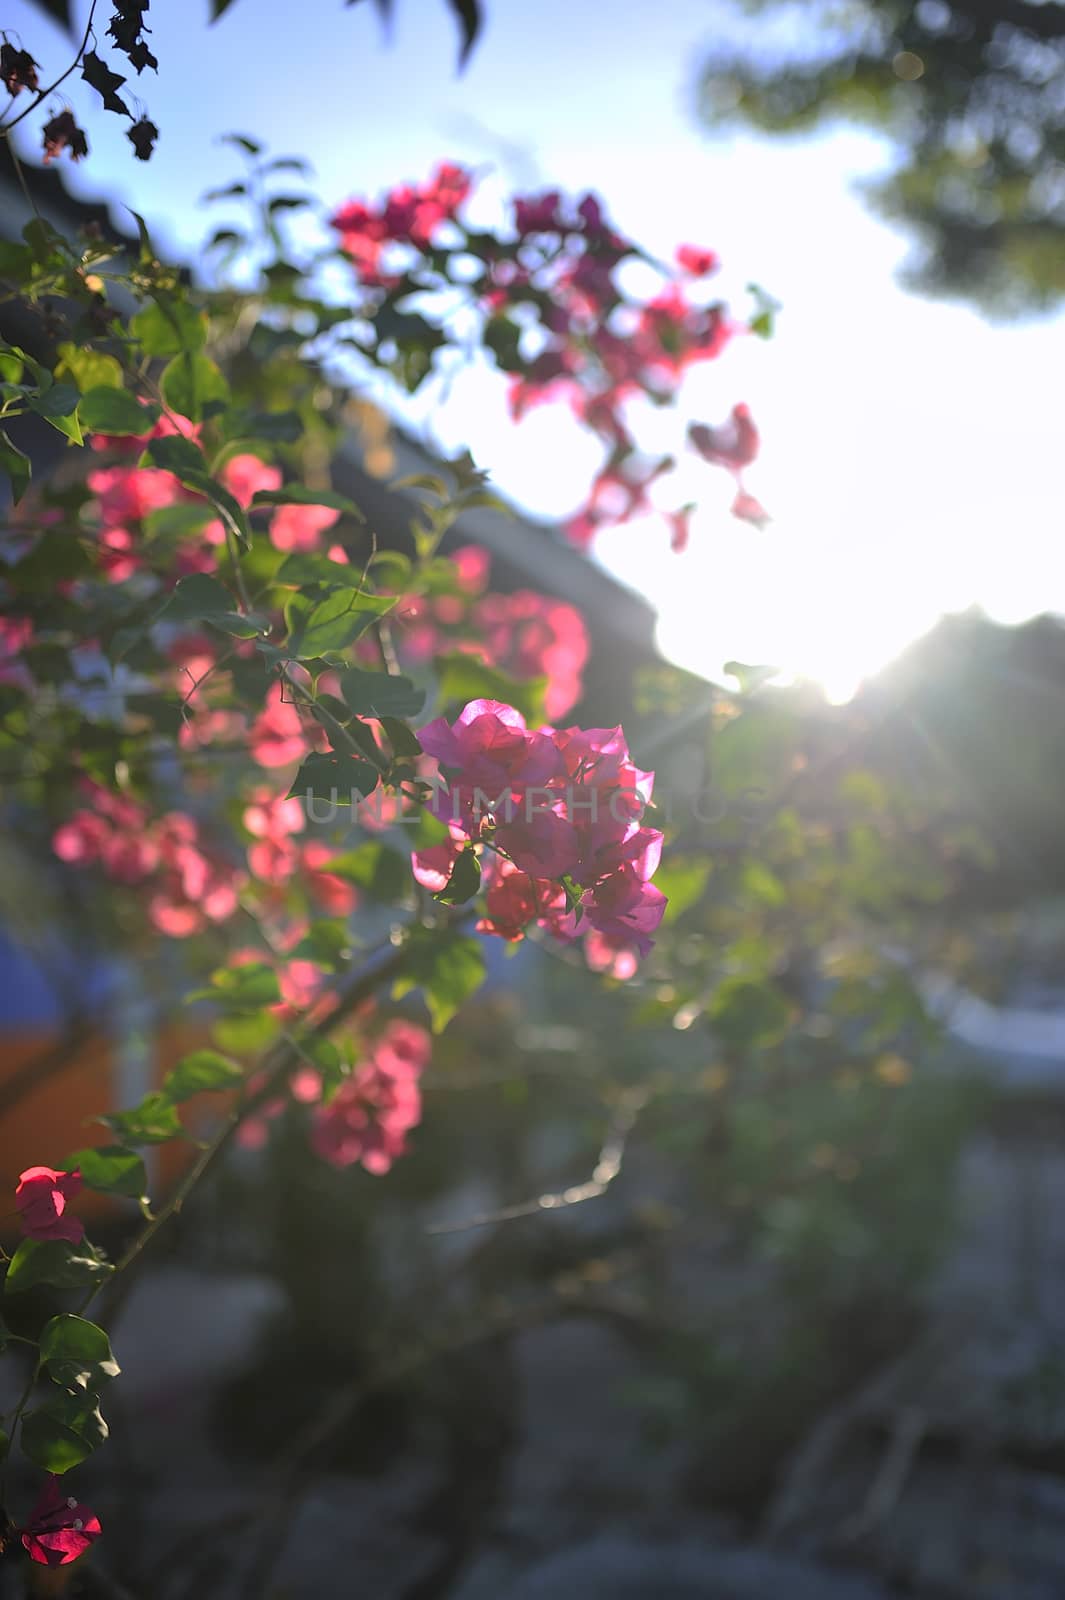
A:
x: 5, y: 128
x: 16, y: 1418
x: 23, y: 185
x: 279, y: 1062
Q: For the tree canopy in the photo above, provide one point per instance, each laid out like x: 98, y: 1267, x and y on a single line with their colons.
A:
x: 971, y: 93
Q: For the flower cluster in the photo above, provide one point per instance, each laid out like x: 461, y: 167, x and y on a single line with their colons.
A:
x: 562, y: 327
x: 126, y: 496
x: 188, y: 884
x: 409, y: 215
x: 561, y: 811
x: 369, y: 1117
x: 524, y: 634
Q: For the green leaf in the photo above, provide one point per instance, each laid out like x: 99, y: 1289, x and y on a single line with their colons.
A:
x: 303, y: 569
x: 154, y: 1121
x: 379, y: 870
x: 16, y: 467
x: 272, y: 427
x: 90, y: 369
x: 463, y: 679
x: 111, y: 1169
x: 197, y: 598
x: 77, y: 1353
x: 177, y: 521
x: 226, y: 504
x: 111, y: 410
x: 248, y: 987
x: 170, y: 328
x: 54, y: 1261
x: 63, y: 1432
x: 243, y: 624
x: 333, y: 778
x: 194, y: 387
x: 682, y: 882
x: 241, y: 140
x: 175, y: 454
x: 297, y: 494
x: 464, y: 882
x: 58, y: 405
x: 404, y: 740
x: 334, y: 624
x: 326, y: 942
x: 380, y: 694
x: 200, y: 1072
x: 447, y: 968
x: 245, y: 1032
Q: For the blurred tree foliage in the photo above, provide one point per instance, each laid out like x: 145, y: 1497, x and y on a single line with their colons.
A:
x: 971, y: 92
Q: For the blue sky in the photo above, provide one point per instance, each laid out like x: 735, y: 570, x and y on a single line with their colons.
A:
x: 912, y: 453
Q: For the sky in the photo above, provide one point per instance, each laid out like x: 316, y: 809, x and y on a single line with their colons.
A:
x: 912, y: 457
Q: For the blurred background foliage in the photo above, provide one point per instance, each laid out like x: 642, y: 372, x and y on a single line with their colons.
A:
x: 969, y: 92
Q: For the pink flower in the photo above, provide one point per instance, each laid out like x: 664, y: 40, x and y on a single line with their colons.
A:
x: 245, y: 475
x: 299, y: 527
x: 700, y: 263
x: 679, y: 528
x: 81, y: 840
x: 733, y: 445
x: 540, y: 842
x: 433, y: 864
x: 15, y: 634
x: 540, y: 213
x: 41, y: 1198
x: 277, y: 737
x: 604, y: 954
x: 471, y: 568
x: 372, y: 1112
x: 514, y: 900
x: 59, y: 1530
x: 492, y: 753
x: 626, y: 908
x: 335, y: 895
x: 749, y: 509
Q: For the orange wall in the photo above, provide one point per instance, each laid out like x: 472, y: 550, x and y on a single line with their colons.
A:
x: 53, y: 1117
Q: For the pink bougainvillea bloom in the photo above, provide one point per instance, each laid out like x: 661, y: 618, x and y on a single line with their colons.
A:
x: 277, y: 735
x: 245, y: 475
x: 405, y: 1043
x: 609, y: 955
x: 16, y: 634
x: 492, y: 754
x: 58, y: 1529
x: 733, y: 445
x: 471, y: 568
x: 301, y: 527
x: 41, y: 1198
x: 541, y: 213
x: 433, y: 864
x: 81, y: 840
x: 540, y: 842
x: 626, y: 908
x: 700, y: 263
x: 334, y: 894
x: 679, y: 528
x: 749, y: 509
